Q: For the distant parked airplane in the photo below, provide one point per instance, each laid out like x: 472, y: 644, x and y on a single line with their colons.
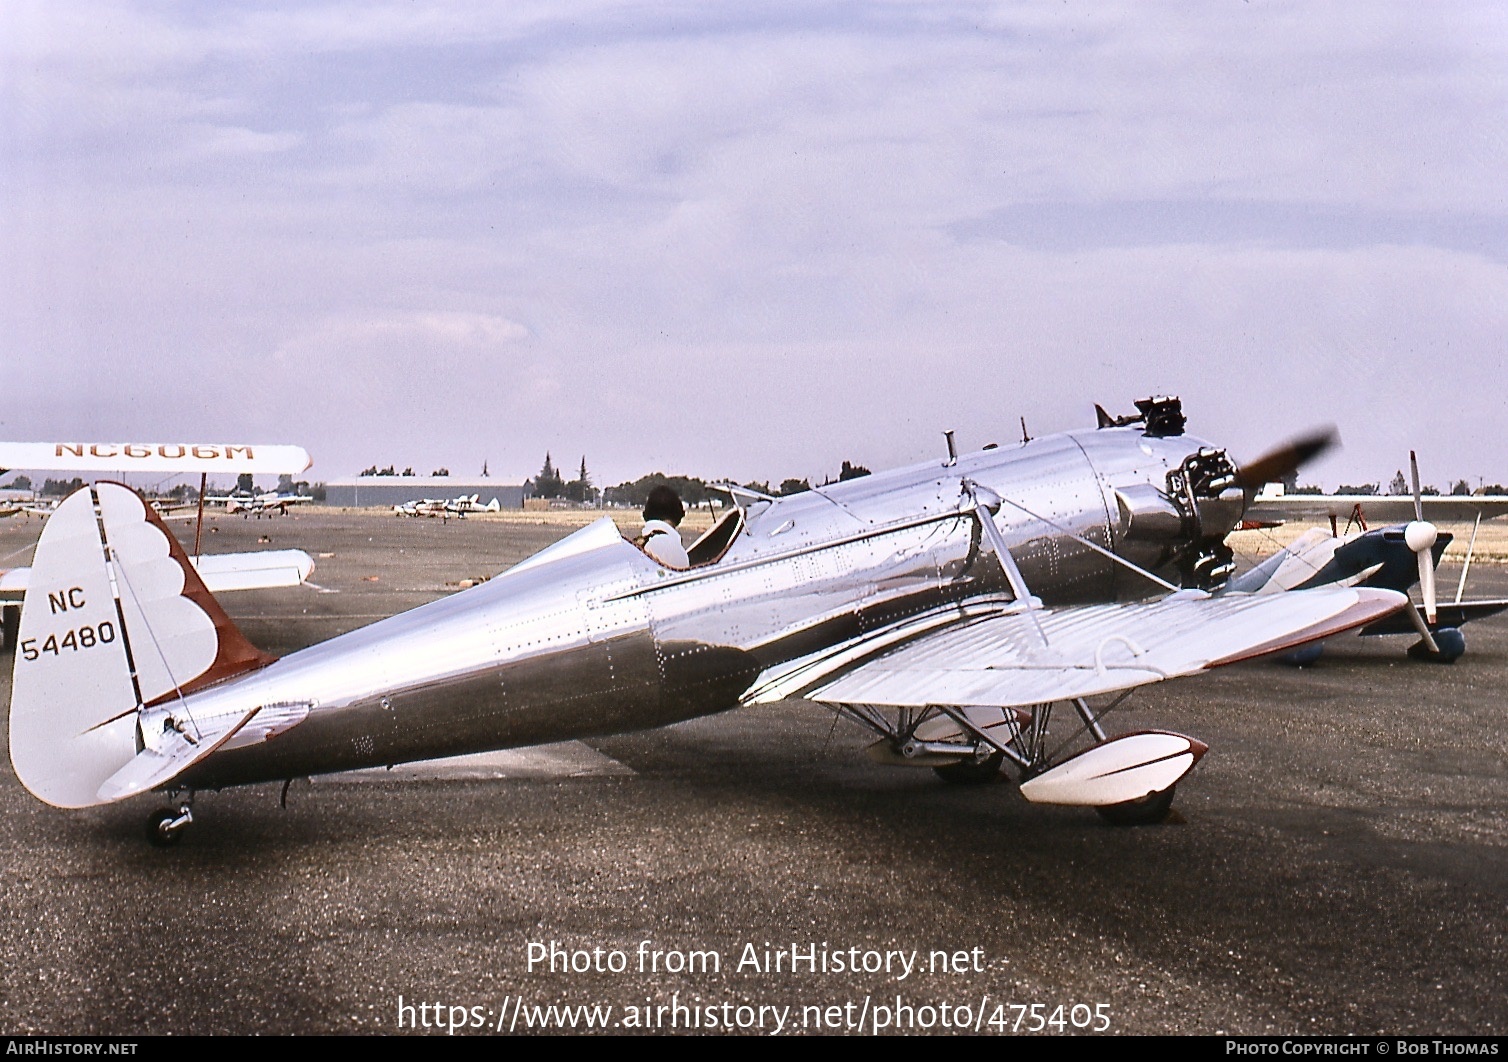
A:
x: 445, y: 508
x: 259, y: 505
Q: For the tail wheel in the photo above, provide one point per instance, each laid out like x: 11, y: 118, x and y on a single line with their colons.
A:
x: 160, y: 830
x: 971, y: 772
x: 1148, y: 811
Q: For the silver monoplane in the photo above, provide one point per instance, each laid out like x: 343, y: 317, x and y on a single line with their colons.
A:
x: 949, y: 607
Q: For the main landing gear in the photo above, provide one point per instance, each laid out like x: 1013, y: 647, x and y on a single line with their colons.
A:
x: 1129, y: 779
x: 1450, y: 643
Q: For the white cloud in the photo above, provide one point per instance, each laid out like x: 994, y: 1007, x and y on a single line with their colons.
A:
x: 780, y: 233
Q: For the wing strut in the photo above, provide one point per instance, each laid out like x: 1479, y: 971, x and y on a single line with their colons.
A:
x: 199, y: 520
x: 986, y: 505
x: 1466, y: 567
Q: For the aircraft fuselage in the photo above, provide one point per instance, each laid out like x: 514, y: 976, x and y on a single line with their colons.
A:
x: 592, y: 637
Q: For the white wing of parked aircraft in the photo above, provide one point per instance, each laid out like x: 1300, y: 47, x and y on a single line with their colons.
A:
x: 1367, y: 509
x: 105, y: 458
x: 221, y: 572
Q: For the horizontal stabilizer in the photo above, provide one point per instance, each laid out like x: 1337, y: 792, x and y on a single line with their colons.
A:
x: 269, y: 721
x: 167, y: 753
x: 13, y: 583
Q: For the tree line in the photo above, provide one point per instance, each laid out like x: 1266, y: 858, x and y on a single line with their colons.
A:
x: 549, y: 483
x: 1397, y: 488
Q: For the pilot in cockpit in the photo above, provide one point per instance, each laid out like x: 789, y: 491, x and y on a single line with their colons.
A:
x: 660, y: 539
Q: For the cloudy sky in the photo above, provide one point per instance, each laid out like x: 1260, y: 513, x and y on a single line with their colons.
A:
x: 753, y: 240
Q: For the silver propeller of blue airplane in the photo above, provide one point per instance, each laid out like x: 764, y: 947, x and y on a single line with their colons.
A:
x: 1420, y: 536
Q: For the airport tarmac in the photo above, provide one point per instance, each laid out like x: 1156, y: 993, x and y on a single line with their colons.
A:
x: 1335, y: 865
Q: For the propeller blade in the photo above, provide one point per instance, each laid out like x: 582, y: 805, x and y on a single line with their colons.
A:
x: 1420, y: 537
x: 1427, y: 586
x: 1414, y: 473
x: 1271, y: 467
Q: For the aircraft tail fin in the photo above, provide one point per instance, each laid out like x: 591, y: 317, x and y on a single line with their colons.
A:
x: 493, y: 506
x: 115, y: 619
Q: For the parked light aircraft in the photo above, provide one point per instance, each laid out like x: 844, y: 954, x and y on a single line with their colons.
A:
x: 948, y: 607
x: 42, y: 508
x: 472, y: 503
x: 1396, y: 557
x: 447, y: 507
x: 259, y: 505
x: 168, y: 510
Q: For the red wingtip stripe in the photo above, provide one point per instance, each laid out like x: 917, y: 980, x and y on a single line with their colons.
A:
x: 1372, y: 605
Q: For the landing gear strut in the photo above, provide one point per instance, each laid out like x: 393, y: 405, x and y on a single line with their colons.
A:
x: 1450, y: 643
x: 1129, y: 779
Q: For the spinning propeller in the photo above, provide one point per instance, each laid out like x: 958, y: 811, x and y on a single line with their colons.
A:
x: 1276, y: 464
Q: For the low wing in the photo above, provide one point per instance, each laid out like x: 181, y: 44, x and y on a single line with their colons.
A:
x: 1001, y: 660
x: 1450, y: 615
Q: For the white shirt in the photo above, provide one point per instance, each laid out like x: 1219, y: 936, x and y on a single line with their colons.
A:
x: 663, y: 543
